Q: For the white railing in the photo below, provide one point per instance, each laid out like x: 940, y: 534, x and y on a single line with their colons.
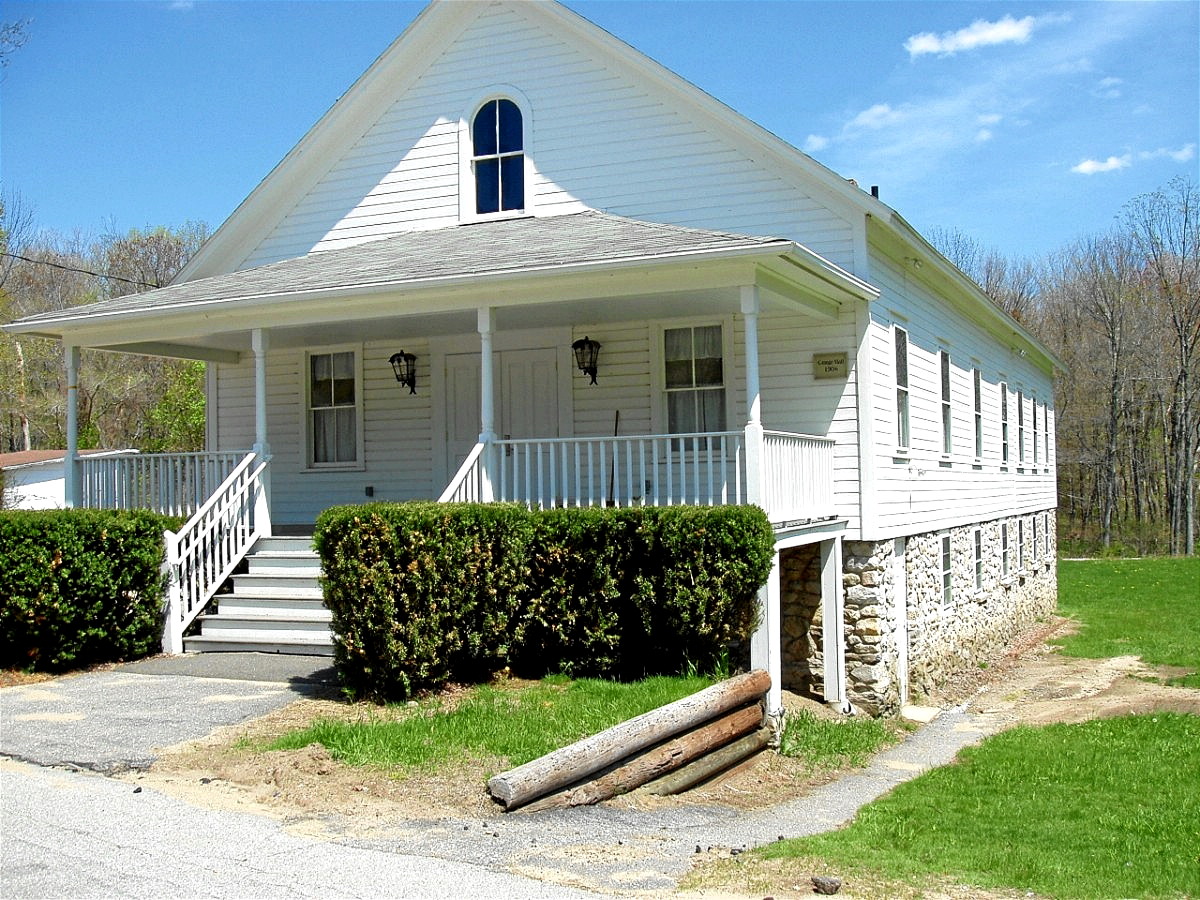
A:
x: 467, y: 485
x: 798, y: 476
x: 176, y: 484
x: 701, y: 469
x: 204, y: 552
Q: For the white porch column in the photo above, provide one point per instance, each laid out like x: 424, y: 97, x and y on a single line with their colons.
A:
x: 487, y: 399
x: 766, y: 647
x: 755, y: 473
x: 833, y: 622
x: 72, y: 487
x: 260, y: 343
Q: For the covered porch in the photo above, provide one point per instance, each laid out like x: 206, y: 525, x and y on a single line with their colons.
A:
x: 496, y: 408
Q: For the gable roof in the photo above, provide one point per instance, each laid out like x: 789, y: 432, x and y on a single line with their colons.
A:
x: 408, y: 57
x: 521, y: 246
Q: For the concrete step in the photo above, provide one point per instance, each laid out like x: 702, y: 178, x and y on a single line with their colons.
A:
x: 307, y: 646
x: 278, y: 584
x: 284, y: 562
x: 264, y: 628
x: 286, y: 607
x: 284, y: 545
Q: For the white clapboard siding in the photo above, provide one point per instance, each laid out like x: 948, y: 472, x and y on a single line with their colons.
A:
x: 923, y: 489
x: 601, y: 137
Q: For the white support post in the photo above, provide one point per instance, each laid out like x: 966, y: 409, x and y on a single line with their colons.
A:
x: 72, y: 487
x: 260, y: 343
x: 766, y: 648
x: 487, y: 400
x: 833, y: 623
x: 755, y: 474
x: 172, y: 641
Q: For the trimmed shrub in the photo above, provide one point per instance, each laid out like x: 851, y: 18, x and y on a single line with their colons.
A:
x: 423, y: 594
x: 80, y: 587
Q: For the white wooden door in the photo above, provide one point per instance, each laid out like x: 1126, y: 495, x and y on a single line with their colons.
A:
x: 462, y: 408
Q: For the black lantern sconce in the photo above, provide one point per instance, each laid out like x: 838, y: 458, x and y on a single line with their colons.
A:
x: 405, y: 367
x: 586, y: 352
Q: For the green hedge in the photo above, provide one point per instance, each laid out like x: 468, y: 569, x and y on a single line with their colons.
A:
x: 423, y: 593
x: 80, y: 587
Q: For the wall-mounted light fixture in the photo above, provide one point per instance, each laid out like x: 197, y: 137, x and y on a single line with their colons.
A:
x: 405, y: 367
x: 586, y: 352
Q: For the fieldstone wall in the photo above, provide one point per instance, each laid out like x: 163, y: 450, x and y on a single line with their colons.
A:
x: 871, y: 641
x: 945, y: 636
x: 800, y: 614
x: 982, y: 614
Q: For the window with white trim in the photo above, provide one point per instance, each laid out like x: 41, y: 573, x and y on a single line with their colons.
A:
x: 977, y: 378
x: 498, y: 157
x: 1035, y: 431
x: 694, y: 379
x: 947, y: 577
x: 902, y: 424
x: 1020, y: 545
x: 1033, y: 542
x: 1046, y: 533
x: 333, y: 404
x: 1005, y: 551
x: 1046, y: 433
x: 1020, y: 428
x: 978, y: 559
x: 947, y: 438
x: 1004, y: 423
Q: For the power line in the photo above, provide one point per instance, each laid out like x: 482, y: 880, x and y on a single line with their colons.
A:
x: 65, y: 268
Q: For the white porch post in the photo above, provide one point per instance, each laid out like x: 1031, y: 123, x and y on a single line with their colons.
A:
x: 260, y: 343
x: 833, y: 628
x: 766, y: 642
x: 487, y: 399
x: 755, y: 474
x: 72, y: 487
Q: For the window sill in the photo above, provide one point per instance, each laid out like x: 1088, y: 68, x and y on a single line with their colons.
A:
x: 318, y: 470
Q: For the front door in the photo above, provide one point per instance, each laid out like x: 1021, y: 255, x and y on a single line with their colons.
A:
x: 527, y: 405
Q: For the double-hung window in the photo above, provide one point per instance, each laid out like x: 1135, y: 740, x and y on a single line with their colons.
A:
x: 902, y: 425
x: 1020, y: 428
x: 977, y: 377
x: 978, y: 559
x: 1035, y: 432
x: 694, y: 379
x: 333, y: 398
x: 498, y: 157
x: 1004, y: 423
x: 1005, y: 551
x: 947, y: 440
x: 947, y: 575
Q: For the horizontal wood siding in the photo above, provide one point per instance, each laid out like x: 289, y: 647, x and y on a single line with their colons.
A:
x: 924, y: 490
x: 602, y: 138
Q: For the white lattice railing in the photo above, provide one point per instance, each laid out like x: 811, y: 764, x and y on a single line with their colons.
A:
x: 204, y: 552
x: 798, y: 476
x: 701, y: 469
x: 176, y: 484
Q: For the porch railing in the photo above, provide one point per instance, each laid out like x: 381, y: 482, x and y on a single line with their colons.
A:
x: 204, y: 552
x: 700, y: 469
x: 176, y: 484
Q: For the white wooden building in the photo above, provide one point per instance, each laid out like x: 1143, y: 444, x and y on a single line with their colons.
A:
x: 508, y: 180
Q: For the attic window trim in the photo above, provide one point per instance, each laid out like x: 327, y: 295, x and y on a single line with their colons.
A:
x: 467, y: 158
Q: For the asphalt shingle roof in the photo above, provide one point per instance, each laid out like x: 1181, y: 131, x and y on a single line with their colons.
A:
x: 478, y: 249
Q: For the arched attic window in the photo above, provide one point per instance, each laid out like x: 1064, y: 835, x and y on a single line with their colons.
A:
x: 498, y: 157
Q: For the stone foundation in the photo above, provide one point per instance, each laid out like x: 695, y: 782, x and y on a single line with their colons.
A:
x: 946, y: 637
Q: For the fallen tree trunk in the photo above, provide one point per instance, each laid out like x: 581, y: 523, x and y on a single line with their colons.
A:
x: 655, y: 762
x: 713, y: 764
x: 577, y: 761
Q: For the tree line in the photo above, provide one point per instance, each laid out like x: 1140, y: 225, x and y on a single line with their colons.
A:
x: 1122, y: 310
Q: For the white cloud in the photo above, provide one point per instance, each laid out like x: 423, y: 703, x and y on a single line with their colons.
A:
x: 815, y: 143
x: 1095, y: 166
x: 979, y: 33
x: 181, y: 5
x: 878, y: 116
x: 1183, y: 154
x: 983, y: 135
x: 1108, y: 88
x: 989, y: 119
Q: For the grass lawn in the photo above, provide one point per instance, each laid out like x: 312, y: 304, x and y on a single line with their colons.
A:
x: 1106, y: 808
x: 518, y: 723
x: 1144, y: 607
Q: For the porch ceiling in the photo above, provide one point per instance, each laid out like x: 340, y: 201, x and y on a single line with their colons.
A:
x: 586, y: 267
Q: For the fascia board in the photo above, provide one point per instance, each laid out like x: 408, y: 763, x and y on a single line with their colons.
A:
x: 401, y: 64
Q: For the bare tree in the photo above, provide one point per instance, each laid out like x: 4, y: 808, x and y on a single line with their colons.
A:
x: 1011, y: 284
x: 1166, y: 227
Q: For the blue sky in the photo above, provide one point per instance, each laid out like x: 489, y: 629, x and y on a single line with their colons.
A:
x: 1024, y: 125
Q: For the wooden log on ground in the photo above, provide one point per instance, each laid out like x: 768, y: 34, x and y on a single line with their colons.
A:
x: 716, y: 762
x: 655, y: 762
x: 576, y: 762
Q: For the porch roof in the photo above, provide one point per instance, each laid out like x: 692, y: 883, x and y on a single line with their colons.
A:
x: 525, y: 246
